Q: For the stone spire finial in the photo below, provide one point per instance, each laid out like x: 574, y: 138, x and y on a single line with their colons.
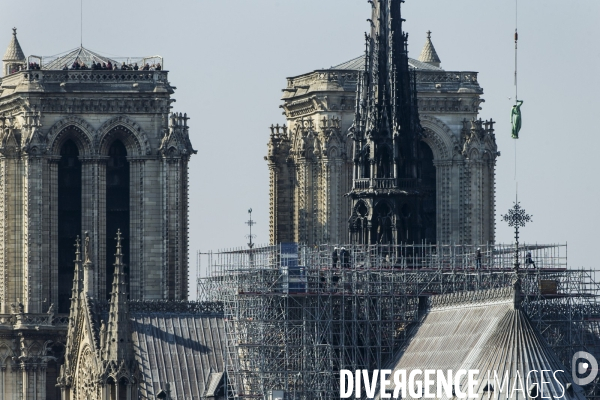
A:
x: 77, y: 249
x: 14, y: 51
x: 88, y: 269
x: 77, y: 278
x: 119, y: 254
x: 118, y: 342
x: 428, y: 54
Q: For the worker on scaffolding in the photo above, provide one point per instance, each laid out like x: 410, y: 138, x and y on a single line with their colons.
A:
x: 345, y: 256
x: 334, y: 257
x: 478, y: 258
x: 529, y: 261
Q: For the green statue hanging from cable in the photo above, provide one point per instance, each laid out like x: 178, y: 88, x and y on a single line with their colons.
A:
x: 515, y: 119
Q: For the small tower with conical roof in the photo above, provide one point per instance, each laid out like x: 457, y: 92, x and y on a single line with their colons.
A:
x: 428, y: 54
x: 14, y: 58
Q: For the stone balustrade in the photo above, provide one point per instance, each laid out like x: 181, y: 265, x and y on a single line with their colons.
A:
x: 385, y: 183
x: 85, y: 76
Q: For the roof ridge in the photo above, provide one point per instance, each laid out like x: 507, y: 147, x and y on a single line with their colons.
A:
x: 477, y: 297
x: 175, y: 306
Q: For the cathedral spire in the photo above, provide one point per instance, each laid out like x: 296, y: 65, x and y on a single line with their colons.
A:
x: 386, y: 193
x: 428, y: 54
x: 118, y: 342
x: 387, y: 103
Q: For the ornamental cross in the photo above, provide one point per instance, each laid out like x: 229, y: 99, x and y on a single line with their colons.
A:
x: 250, y: 223
x: 517, y: 218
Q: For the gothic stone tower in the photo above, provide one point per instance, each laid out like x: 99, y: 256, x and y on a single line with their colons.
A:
x: 311, y: 158
x: 84, y: 151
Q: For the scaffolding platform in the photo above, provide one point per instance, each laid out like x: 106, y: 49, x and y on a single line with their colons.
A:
x: 296, y: 315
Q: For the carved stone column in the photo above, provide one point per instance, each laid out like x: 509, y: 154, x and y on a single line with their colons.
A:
x: 3, y: 381
x: 25, y: 381
x: 136, y: 227
x: 4, y: 212
x: 273, y: 203
x: 11, y: 227
x: 475, y: 202
x: 34, y: 263
x: 444, y: 204
x: 301, y: 200
x: 175, y: 192
x: 42, y: 381
x: 51, y: 213
x: 93, y: 216
x: 34, y: 372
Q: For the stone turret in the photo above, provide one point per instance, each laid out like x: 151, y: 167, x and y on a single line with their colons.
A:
x: 428, y: 54
x: 14, y: 58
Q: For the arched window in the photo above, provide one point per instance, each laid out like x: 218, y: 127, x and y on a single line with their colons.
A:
x: 365, y: 160
x: 55, y: 354
x: 382, y: 225
x: 69, y: 219
x: 360, y: 226
x: 384, y: 164
x: 112, y: 389
x: 117, y: 208
x: 123, y: 385
x: 427, y: 174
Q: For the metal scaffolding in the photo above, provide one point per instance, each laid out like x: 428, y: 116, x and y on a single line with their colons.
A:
x: 295, y: 316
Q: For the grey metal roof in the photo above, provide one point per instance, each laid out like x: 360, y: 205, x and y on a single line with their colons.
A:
x: 14, y: 51
x: 485, y: 331
x: 184, y: 350
x: 428, y: 54
x: 358, y: 64
x: 80, y: 54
